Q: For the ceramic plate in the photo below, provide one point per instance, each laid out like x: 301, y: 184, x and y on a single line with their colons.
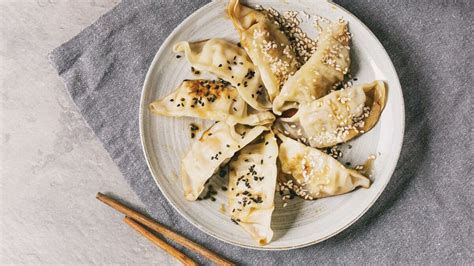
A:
x: 165, y: 140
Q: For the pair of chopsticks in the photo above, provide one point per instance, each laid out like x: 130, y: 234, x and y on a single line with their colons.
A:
x: 137, y: 221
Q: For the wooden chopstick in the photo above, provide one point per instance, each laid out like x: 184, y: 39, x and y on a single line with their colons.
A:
x: 140, y: 218
x: 157, y: 241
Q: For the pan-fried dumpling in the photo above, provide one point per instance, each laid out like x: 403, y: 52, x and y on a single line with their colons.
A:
x: 338, y: 116
x: 215, y: 147
x: 214, y: 100
x: 252, y: 181
x: 314, y: 174
x: 266, y: 45
x: 230, y: 63
x: 326, y: 67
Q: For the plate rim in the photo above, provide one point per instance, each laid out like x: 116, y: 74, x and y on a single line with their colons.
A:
x: 143, y: 105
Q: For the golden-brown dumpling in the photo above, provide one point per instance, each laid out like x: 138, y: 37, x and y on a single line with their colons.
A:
x: 326, y: 67
x: 314, y: 174
x: 338, y: 116
x: 230, y: 63
x: 266, y: 45
x: 215, y: 147
x: 206, y: 99
x: 252, y: 181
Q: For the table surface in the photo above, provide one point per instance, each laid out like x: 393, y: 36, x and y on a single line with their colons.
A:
x: 52, y: 165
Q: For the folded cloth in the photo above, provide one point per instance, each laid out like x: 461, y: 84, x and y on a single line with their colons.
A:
x: 424, y: 215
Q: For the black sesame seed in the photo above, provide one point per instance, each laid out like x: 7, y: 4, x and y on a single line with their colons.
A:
x: 224, y: 188
x: 178, y: 56
x: 220, y: 65
x: 229, y: 68
x: 213, y: 199
x: 222, y: 173
x: 171, y: 100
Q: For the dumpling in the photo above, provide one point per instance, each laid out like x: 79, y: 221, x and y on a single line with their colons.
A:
x: 266, y: 45
x: 214, y: 100
x: 325, y: 68
x: 230, y: 63
x: 215, y: 147
x: 314, y: 174
x: 252, y: 182
x: 338, y: 116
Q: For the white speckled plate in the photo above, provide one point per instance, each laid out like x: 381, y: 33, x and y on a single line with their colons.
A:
x: 165, y: 140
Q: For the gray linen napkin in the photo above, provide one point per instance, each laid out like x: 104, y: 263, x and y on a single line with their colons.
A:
x: 426, y: 212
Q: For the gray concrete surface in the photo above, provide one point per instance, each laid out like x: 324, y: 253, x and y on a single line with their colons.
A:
x: 51, y: 164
